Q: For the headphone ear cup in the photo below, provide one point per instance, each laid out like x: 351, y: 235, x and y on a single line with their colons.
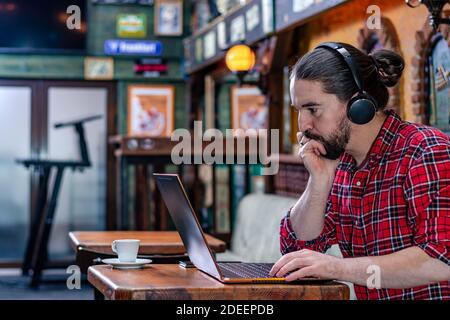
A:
x: 361, y: 109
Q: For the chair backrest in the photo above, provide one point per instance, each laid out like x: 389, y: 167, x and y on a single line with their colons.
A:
x: 256, y: 234
x: 257, y: 226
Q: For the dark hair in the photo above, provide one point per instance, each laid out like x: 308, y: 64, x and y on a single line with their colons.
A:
x: 379, y: 70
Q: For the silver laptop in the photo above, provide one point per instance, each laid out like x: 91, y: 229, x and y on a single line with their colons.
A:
x: 193, y: 238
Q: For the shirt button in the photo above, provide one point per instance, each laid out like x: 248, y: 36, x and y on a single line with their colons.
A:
x: 358, y: 183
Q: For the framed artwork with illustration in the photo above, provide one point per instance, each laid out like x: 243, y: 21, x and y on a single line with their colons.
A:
x: 168, y: 17
x: 248, y: 108
x: 151, y: 110
x: 98, y: 68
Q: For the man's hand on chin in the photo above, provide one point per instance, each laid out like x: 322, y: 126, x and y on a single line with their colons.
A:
x: 307, y: 263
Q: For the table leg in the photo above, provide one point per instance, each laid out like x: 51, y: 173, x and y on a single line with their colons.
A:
x: 37, y: 216
x: 46, y: 226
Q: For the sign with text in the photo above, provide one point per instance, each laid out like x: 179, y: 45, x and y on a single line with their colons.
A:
x: 150, y: 68
x: 131, y: 25
x: 133, y: 47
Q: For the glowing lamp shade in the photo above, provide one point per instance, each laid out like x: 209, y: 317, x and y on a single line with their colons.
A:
x: 240, y: 58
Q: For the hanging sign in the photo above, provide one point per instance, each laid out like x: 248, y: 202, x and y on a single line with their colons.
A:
x: 133, y: 47
x: 150, y: 67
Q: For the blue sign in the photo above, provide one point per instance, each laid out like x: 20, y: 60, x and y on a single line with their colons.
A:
x: 133, y: 47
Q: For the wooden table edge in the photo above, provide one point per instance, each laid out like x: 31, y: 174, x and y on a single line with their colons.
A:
x: 76, y: 245
x: 113, y: 292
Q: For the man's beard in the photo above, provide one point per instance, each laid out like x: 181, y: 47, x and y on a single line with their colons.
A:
x: 335, y: 145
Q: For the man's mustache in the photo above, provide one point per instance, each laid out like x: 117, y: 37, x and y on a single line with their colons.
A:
x: 333, y: 150
x: 313, y: 136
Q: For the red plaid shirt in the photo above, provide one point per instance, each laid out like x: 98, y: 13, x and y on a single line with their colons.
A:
x: 399, y: 197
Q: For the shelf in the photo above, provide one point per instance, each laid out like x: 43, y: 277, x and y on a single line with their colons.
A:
x: 163, y: 146
x: 202, y: 49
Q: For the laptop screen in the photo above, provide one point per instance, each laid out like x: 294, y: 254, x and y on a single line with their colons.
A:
x: 186, y: 222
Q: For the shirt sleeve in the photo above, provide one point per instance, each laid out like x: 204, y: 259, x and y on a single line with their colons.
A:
x: 289, y: 241
x: 428, y: 195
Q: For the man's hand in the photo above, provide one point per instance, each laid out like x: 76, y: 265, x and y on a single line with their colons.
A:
x: 307, y: 263
x: 321, y: 169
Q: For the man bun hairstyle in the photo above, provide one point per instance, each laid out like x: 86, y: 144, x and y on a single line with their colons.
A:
x: 389, y: 66
x: 378, y: 71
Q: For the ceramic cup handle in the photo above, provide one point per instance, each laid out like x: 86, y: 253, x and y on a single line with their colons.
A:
x: 114, y: 246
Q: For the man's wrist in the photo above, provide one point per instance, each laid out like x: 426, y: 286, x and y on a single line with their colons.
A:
x: 341, y: 266
x: 320, y: 184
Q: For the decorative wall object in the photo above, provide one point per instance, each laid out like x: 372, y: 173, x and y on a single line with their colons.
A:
x: 96, y: 68
x: 131, y: 25
x: 248, y: 108
x: 225, y: 6
x: 201, y: 15
x: 439, y: 89
x: 420, y: 70
x: 168, y: 17
x: 151, y: 110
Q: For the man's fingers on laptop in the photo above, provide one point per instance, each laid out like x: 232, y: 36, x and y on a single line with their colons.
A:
x: 301, y: 273
x: 292, y: 265
x: 284, y: 260
x: 280, y: 263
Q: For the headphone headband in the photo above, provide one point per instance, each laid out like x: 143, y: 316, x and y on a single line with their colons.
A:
x: 354, y: 69
x: 361, y: 108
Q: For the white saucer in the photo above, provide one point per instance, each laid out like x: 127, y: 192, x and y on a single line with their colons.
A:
x: 117, y: 264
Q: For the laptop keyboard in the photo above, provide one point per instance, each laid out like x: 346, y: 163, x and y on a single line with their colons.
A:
x: 245, y: 270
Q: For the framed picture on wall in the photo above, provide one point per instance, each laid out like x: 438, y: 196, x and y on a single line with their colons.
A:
x: 131, y: 25
x: 98, y: 68
x: 168, y: 17
x: 248, y: 108
x: 151, y: 110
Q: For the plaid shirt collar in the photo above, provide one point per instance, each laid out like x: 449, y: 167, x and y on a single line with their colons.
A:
x: 379, y: 146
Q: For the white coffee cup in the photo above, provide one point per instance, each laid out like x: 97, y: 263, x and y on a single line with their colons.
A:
x: 126, y: 249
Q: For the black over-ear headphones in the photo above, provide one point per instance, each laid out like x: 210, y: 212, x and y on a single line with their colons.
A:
x: 362, y: 107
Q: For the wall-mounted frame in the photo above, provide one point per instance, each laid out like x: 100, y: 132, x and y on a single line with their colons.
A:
x: 439, y: 89
x: 151, y: 110
x: 168, y: 17
x: 98, y: 68
x: 248, y: 108
x: 131, y: 25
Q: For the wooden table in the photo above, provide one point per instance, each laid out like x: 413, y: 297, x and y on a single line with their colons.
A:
x: 172, y: 282
x: 160, y: 246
